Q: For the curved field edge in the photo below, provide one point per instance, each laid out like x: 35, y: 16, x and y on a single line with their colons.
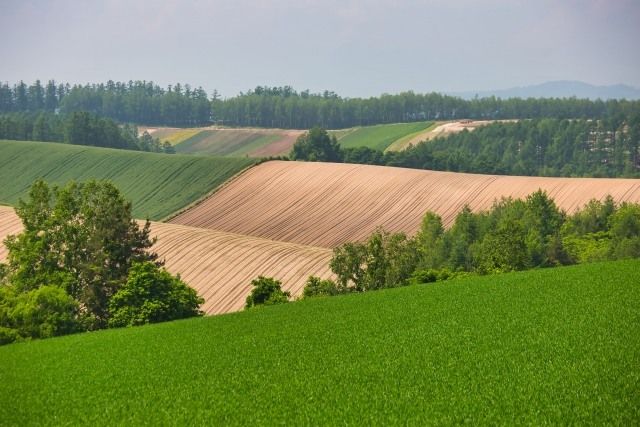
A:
x: 220, y: 266
x: 327, y: 204
x: 157, y: 184
x: 554, y: 346
x: 378, y: 137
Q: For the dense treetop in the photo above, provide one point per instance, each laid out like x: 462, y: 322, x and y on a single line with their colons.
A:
x: 144, y: 102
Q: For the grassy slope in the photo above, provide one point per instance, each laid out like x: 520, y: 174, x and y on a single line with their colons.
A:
x: 157, y: 184
x: 225, y: 142
x: 380, y: 136
x: 557, y: 346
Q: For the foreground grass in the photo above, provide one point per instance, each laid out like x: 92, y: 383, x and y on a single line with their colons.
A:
x: 541, y: 347
x: 379, y: 137
x: 157, y: 184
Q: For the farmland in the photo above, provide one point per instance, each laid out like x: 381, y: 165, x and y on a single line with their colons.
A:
x: 379, y: 137
x: 221, y: 141
x: 554, y: 346
x: 157, y: 184
x: 324, y: 204
x: 220, y: 266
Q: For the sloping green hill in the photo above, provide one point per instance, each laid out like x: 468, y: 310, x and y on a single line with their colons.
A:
x: 157, y: 184
x: 555, y: 346
x: 379, y: 137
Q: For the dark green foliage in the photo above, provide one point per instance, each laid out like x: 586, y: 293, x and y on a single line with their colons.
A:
x: 384, y: 260
x: 547, y: 147
x: 80, y: 260
x: 317, y: 287
x: 316, y: 146
x: 152, y: 295
x: 266, y: 291
x: 80, y: 238
x: 78, y: 128
x: 543, y: 347
x: 363, y: 156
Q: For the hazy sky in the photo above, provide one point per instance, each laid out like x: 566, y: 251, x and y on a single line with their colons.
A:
x: 356, y: 48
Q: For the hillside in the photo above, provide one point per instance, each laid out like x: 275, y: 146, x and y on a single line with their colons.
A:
x: 554, y: 346
x: 220, y: 266
x: 157, y: 184
x: 325, y: 204
x: 221, y: 141
x: 379, y: 137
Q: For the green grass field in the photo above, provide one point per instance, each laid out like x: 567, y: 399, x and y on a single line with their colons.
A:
x: 554, y: 346
x: 157, y: 184
x: 225, y: 142
x: 378, y: 137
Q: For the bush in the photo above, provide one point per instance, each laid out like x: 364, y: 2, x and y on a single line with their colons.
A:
x: 316, y: 287
x: 266, y: 291
x: 7, y: 335
x: 44, y: 312
x: 151, y: 295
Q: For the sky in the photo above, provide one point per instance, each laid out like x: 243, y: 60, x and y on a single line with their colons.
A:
x: 355, y: 48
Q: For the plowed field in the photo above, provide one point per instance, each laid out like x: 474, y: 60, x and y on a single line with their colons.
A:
x: 220, y: 266
x: 325, y: 204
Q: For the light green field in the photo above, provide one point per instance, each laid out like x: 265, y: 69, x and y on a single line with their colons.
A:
x: 546, y: 347
x: 378, y: 137
x: 157, y: 184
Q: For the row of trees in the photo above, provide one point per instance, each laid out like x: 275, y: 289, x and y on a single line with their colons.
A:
x: 131, y: 102
x: 82, y: 263
x: 145, y: 102
x: 78, y: 128
x: 543, y: 147
x: 539, y: 147
x: 513, y: 235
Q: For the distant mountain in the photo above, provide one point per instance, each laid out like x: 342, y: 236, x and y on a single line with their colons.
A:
x: 559, y: 89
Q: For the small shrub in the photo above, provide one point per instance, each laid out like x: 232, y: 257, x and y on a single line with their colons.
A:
x: 266, y: 291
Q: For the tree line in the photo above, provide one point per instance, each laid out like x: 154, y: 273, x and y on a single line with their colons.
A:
x: 537, y: 147
x: 513, y: 235
x: 78, y: 128
x: 144, y: 102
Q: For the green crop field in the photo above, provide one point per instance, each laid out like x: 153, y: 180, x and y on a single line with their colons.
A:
x: 225, y: 142
x: 157, y: 184
x: 554, y: 346
x: 379, y: 137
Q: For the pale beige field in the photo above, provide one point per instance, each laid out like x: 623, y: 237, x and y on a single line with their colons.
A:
x: 220, y: 266
x: 325, y: 204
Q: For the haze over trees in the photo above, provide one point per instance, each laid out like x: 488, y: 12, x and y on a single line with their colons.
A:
x: 78, y: 128
x: 144, y: 102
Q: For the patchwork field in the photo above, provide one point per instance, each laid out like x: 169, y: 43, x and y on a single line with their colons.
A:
x: 379, y: 137
x: 221, y: 141
x: 157, y: 184
x: 220, y: 266
x: 325, y: 204
x: 546, y: 347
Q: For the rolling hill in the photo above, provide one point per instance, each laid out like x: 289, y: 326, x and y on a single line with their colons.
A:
x: 233, y: 142
x: 327, y: 204
x: 545, y: 347
x: 220, y: 266
x: 380, y: 137
x: 157, y: 184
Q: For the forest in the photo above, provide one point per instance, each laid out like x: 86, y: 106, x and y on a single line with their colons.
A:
x: 78, y: 128
x: 537, y: 147
x: 144, y: 102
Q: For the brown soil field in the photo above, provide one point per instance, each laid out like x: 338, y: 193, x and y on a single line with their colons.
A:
x: 220, y: 266
x: 326, y: 204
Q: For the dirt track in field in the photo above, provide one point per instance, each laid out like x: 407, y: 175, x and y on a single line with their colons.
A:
x: 325, y: 204
x: 220, y: 266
